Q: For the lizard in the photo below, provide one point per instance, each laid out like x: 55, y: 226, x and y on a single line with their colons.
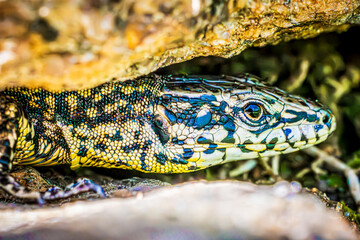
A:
x: 157, y: 124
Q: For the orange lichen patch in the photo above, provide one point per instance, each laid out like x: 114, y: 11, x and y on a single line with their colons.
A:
x: 134, y: 34
x: 81, y: 44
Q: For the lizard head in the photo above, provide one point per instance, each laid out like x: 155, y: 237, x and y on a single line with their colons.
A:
x: 208, y: 120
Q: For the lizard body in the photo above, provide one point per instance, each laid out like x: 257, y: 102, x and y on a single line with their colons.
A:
x: 161, y: 124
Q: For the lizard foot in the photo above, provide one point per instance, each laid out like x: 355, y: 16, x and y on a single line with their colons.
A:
x: 80, y: 186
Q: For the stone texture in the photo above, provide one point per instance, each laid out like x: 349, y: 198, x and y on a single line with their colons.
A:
x: 198, y: 210
x: 77, y: 44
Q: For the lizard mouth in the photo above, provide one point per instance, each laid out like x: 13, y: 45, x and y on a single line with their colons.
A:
x: 211, y: 148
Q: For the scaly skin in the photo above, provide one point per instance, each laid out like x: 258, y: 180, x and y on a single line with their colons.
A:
x: 161, y: 124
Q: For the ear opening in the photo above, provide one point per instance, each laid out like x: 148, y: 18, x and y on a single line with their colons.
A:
x: 161, y: 123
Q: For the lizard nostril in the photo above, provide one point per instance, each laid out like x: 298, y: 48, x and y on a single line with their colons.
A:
x: 326, y: 118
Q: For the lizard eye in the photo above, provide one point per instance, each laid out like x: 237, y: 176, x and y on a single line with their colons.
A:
x: 253, y: 111
x: 253, y: 114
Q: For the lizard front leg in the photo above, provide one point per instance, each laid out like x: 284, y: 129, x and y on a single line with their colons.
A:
x: 9, y: 118
x: 9, y: 114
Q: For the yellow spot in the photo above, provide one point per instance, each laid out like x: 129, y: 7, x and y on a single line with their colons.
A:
x: 97, y: 97
x: 31, y: 148
x: 85, y: 93
x: 91, y: 112
x: 281, y: 146
x: 47, y: 149
x: 106, y: 165
x: 122, y: 103
x: 312, y: 141
x: 26, y: 131
x: 127, y: 90
x: 110, y: 107
x: 299, y: 144
x: 256, y: 147
x: 75, y: 161
x: 50, y: 100
x: 27, y: 145
x: 57, y: 152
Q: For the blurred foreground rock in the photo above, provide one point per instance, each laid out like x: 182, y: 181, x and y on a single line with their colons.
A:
x: 198, y: 210
x: 67, y: 44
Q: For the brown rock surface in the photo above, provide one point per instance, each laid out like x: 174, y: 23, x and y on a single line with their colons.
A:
x: 198, y: 210
x: 76, y: 44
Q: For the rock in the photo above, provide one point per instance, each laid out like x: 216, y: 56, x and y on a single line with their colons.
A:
x: 80, y: 44
x: 197, y: 210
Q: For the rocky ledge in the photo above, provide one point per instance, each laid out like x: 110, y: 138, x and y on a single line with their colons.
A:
x: 194, y: 210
